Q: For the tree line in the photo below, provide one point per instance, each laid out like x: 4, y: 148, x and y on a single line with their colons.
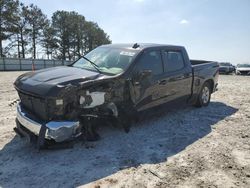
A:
x: 25, y: 30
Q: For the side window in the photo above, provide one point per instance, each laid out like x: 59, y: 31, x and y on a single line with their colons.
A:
x: 151, y: 61
x: 173, y: 61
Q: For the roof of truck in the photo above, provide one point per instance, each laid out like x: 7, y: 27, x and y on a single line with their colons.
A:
x: 140, y: 46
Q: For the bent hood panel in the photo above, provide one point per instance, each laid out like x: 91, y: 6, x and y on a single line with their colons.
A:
x: 44, y: 81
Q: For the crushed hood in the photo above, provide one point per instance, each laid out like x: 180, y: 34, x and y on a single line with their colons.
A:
x: 45, y: 82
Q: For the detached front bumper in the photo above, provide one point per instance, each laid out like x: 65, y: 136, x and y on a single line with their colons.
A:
x: 58, y: 131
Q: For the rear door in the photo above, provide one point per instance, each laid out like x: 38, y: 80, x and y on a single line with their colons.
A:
x: 149, y: 87
x: 178, y: 76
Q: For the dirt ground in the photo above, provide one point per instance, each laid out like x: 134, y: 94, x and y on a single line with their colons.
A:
x: 187, y: 147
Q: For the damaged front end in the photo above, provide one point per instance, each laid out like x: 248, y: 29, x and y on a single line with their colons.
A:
x: 71, y: 112
x: 62, y: 103
x: 58, y: 131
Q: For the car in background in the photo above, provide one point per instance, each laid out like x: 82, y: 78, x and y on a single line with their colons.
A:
x: 226, y: 68
x: 243, y: 69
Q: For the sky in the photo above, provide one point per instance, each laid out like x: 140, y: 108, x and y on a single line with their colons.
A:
x: 216, y: 30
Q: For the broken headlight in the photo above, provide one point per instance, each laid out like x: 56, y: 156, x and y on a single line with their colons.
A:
x: 85, y: 100
x: 59, y: 102
x: 82, y: 100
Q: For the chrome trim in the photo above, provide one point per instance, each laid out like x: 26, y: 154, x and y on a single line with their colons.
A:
x: 28, y: 123
x: 56, y: 130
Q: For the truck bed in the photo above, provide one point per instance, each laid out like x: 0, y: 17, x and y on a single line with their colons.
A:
x: 202, y: 65
x: 203, y: 69
x: 198, y: 62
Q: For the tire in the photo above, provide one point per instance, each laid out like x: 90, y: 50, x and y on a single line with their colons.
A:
x: 204, y: 95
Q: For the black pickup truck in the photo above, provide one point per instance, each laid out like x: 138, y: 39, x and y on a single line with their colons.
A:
x: 112, y: 82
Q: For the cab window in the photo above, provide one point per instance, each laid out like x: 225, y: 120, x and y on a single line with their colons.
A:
x: 173, y: 61
x: 151, y: 61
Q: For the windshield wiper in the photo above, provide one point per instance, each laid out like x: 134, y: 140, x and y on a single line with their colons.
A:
x: 93, y: 64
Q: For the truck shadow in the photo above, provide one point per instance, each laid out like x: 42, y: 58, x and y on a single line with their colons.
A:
x: 157, y: 136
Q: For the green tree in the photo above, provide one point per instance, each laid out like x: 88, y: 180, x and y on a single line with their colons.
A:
x: 77, y: 41
x: 25, y: 28
x: 37, y: 21
x: 60, y: 24
x: 8, y: 10
x: 75, y: 35
x: 22, y: 30
x: 94, y: 36
x: 49, y: 41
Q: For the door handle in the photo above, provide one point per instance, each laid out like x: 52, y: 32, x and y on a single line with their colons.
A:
x: 136, y: 83
x: 162, y: 82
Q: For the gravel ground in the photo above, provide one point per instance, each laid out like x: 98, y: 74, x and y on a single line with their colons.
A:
x: 187, y: 147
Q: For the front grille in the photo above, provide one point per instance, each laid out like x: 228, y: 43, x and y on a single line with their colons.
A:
x: 34, y: 105
x: 244, y: 72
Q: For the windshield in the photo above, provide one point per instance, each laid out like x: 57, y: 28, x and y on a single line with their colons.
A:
x: 243, y: 65
x: 109, y: 60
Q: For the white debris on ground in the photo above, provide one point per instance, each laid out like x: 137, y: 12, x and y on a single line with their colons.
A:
x: 187, y: 147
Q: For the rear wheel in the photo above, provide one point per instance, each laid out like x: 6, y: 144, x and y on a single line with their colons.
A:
x: 204, y: 96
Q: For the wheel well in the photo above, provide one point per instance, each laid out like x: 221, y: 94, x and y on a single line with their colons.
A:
x: 211, y: 83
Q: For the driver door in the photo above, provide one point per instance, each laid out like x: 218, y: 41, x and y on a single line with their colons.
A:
x: 148, y: 82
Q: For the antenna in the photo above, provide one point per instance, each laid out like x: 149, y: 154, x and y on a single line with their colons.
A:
x: 136, y: 46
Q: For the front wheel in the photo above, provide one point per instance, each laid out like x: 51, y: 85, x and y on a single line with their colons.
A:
x: 204, y: 96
